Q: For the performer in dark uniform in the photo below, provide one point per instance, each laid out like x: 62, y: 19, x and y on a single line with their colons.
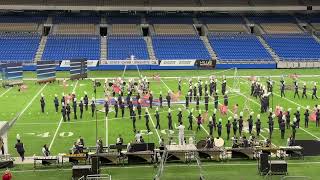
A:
x: 63, y: 112
x: 225, y: 99
x: 293, y: 128
x: 74, y: 106
x: 194, y: 91
x: 187, y: 100
x: 93, y: 108
x: 282, y: 88
x: 200, y: 89
x: 283, y: 127
x: 206, y: 101
x: 258, y: 125
x: 304, y: 91
x: 157, y: 116
x: 68, y: 110
x: 81, y: 108
x: 168, y: 98
x: 253, y: 84
x: 179, y: 85
x: 240, y: 123
x: 42, y: 103
x: 296, y: 90
x: 134, y: 118
x: 146, y: 116
x: 216, y: 100
x: 106, y: 108
x: 228, y: 126
x: 169, y: 119
x: 150, y: 100
x: 190, y: 118
x: 235, y: 126
x: 199, y: 121
x: 306, y: 117
x: 122, y: 107
x: 250, y: 122
x: 223, y: 86
x: 297, y: 116
x: 219, y: 127
x: 139, y: 108
x: 317, y: 117
x: 314, y: 92
x: 271, y: 123
x: 86, y: 101
x: 214, y: 118
x: 288, y: 118
x: 197, y: 101
x: 56, y: 102
x: 160, y: 99
x: 179, y: 115
x: 116, y: 108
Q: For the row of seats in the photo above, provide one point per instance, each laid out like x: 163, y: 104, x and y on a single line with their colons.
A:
x: 281, y: 28
x: 18, y: 47
x: 125, y: 29
x: 176, y: 29
x: 231, y: 47
x: 226, y: 28
x: 19, y: 27
x: 65, y: 47
x: 294, y: 47
x: 122, y: 47
x: 180, y: 47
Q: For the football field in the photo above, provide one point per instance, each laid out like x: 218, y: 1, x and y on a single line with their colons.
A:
x: 36, y: 128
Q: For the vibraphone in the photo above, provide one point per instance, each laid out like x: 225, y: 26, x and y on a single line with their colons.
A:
x: 214, y: 153
x: 248, y: 152
x: 108, y: 157
x: 75, y: 158
x: 181, y: 152
x: 50, y: 159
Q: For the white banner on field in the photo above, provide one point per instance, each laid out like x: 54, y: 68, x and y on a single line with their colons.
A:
x: 189, y: 62
x: 90, y: 63
x: 128, y: 62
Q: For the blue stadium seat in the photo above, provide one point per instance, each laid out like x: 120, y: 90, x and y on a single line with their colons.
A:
x: 294, y: 47
x: 122, y: 47
x: 18, y: 47
x: 237, y: 47
x: 65, y: 47
x: 175, y: 47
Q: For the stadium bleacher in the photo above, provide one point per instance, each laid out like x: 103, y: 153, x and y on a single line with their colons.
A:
x: 177, y: 47
x: 18, y: 46
x: 294, y: 47
x: 123, y: 46
x: 65, y: 47
x: 238, y: 48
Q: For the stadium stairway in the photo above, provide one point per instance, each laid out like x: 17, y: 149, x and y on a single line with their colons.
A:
x: 40, y: 49
x: 150, y: 48
x: 103, y: 48
x: 316, y: 38
x: 208, y: 46
x: 275, y: 57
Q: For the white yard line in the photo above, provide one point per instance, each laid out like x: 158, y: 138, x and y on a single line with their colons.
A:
x: 184, y: 106
x: 5, y: 92
x: 297, y: 105
x: 59, y: 125
x: 28, y: 105
x: 147, y: 109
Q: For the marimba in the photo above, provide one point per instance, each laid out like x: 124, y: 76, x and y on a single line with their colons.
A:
x: 214, y: 153
x: 50, y: 159
x: 75, y: 158
x: 248, y: 152
x: 108, y: 157
x: 292, y: 151
x: 181, y: 152
x: 140, y: 156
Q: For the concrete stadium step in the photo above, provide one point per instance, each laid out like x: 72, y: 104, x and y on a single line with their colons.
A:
x: 209, y: 48
x: 269, y: 49
x: 150, y: 48
x: 40, y: 49
x: 103, y: 48
x: 316, y: 38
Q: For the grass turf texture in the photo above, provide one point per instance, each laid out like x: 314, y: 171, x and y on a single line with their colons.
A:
x: 37, y: 129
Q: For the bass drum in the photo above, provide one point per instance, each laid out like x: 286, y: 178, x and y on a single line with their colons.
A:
x: 218, y: 142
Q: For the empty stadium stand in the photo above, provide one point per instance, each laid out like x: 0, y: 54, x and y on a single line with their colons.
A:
x: 122, y: 47
x: 239, y: 48
x: 294, y: 47
x: 177, y: 47
x: 65, y: 47
x: 18, y: 46
x: 128, y: 29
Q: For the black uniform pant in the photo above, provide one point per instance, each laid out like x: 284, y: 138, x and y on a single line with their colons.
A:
x: 21, y: 153
x: 169, y: 104
x: 240, y: 130
x: 42, y: 108
x: 304, y: 95
x: 282, y: 134
x: 211, y: 131
x: 158, y: 124
x: 228, y: 134
x: 314, y: 96
x: 170, y: 125
x: 160, y: 104
x: 187, y: 104
x: 134, y: 125
x: 199, y: 127
x: 270, y: 132
x: 147, y: 126
x: 86, y: 107
x: 288, y: 124
x: 206, y: 106
x: 106, y: 111
x: 306, y: 123
x: 150, y: 104
x: 68, y: 116
x: 190, y: 126
x: 139, y: 113
x: 216, y: 104
x: 64, y: 117
x: 317, y: 122
x: 296, y: 94
x: 250, y: 129
x: 92, y: 112
x: 56, y: 108
x: 116, y: 115
x: 258, y: 132
x: 75, y: 114
x: 282, y: 94
x: 234, y: 131
x: 81, y: 113
x: 122, y: 113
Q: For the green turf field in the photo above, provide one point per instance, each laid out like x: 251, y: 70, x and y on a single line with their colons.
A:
x: 37, y: 129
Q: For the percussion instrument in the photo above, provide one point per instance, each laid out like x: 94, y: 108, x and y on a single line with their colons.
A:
x: 218, y: 142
